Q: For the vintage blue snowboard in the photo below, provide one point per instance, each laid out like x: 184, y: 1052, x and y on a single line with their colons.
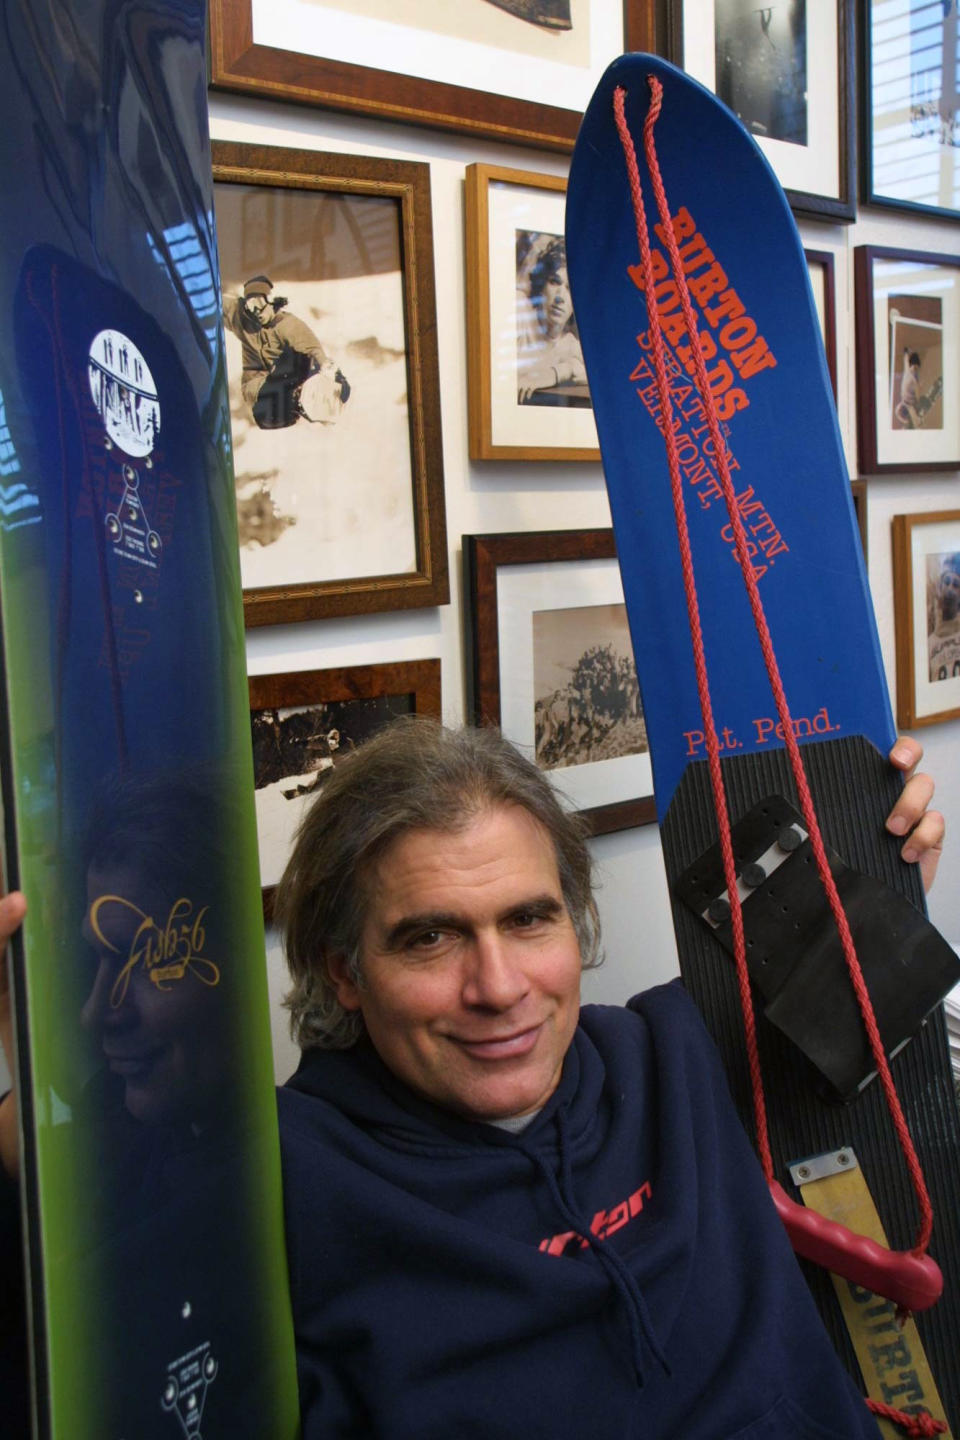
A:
x: 744, y: 266
x: 152, y: 1205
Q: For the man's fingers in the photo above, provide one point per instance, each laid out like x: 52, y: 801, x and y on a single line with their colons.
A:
x: 922, y: 829
x: 924, y: 846
x: 911, y: 805
x: 906, y: 754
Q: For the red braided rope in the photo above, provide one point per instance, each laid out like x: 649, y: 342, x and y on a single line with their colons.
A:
x: 770, y: 661
x: 922, y: 1424
x: 696, y: 635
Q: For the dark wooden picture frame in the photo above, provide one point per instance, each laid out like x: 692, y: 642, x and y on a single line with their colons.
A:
x: 805, y: 202
x: 369, y: 696
x: 926, y: 555
x: 894, y: 436
x: 825, y: 262
x: 265, y: 186
x: 906, y: 151
x: 499, y: 427
x: 488, y: 560
x: 238, y: 63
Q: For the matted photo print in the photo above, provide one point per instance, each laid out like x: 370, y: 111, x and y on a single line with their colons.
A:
x: 327, y: 276
x: 786, y: 72
x: 553, y: 666
x: 527, y: 381
x: 908, y: 359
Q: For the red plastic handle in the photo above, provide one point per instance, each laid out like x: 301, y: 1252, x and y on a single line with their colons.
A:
x: 913, y: 1282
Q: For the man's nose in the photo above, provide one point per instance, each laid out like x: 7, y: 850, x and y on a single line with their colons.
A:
x: 494, y: 977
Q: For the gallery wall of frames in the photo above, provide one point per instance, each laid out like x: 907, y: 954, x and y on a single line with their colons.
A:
x: 422, y: 513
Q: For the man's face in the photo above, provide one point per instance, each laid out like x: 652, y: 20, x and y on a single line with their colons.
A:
x: 471, y: 965
x: 557, y: 301
x: 949, y: 594
x: 259, y: 307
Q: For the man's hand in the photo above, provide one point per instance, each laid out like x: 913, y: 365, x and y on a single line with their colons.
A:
x: 922, y: 828
x: 13, y: 907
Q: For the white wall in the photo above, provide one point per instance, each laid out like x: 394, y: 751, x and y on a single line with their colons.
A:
x: 503, y: 497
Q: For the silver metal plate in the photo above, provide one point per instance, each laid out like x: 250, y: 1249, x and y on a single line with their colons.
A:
x: 817, y: 1167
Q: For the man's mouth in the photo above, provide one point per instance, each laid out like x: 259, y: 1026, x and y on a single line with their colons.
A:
x: 500, y: 1047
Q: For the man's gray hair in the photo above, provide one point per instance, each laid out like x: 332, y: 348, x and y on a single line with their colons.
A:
x: 413, y: 775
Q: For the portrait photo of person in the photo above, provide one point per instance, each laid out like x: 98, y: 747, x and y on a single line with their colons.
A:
x: 550, y: 367
x: 916, y: 362
x: 943, y: 616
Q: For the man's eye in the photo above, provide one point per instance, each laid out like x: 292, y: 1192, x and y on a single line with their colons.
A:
x: 427, y: 939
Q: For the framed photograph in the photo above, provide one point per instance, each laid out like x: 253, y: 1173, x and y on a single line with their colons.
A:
x: 515, y: 70
x: 911, y: 95
x: 304, y: 723
x: 527, y: 383
x: 326, y: 263
x: 821, y: 268
x: 859, y: 488
x: 787, y: 72
x: 926, y: 599
x: 908, y: 359
x: 552, y: 665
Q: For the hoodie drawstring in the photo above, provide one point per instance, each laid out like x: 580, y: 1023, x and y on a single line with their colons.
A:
x: 638, y: 1317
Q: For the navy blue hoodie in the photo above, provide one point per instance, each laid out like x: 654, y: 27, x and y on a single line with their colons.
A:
x: 615, y: 1271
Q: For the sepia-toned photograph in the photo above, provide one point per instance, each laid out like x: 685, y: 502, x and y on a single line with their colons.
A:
x: 306, y: 723
x: 587, y: 699
x: 317, y: 364
x: 552, y: 29
x: 527, y: 391
x: 552, y: 665
x: 761, y: 66
x: 295, y: 750
x: 515, y: 70
x: 916, y: 361
x: 550, y: 368
x: 329, y: 320
x: 943, y: 616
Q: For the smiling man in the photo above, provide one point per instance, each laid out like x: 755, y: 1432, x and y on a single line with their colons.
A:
x: 469, y: 985
x: 507, y: 1216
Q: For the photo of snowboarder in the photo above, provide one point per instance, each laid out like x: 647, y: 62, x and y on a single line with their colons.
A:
x: 314, y: 313
x: 287, y: 375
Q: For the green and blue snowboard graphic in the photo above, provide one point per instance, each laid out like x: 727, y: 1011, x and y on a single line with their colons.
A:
x: 151, y: 1168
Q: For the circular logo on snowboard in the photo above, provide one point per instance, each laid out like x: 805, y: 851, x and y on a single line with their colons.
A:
x: 124, y: 392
